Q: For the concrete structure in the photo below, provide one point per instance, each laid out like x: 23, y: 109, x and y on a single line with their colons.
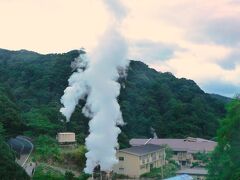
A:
x: 66, y: 138
x: 184, y: 149
x: 196, y: 173
x: 138, y: 160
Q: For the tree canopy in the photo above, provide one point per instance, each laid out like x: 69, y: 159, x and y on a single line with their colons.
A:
x: 225, y: 160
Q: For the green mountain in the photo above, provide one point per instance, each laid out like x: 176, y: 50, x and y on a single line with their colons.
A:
x: 150, y: 99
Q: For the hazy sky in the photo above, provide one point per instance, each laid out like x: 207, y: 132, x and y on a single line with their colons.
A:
x: 195, y: 39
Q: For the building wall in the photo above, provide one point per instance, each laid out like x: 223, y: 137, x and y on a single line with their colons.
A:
x: 65, y: 137
x: 128, y: 166
x: 151, y: 160
x: 183, y: 157
x: 134, y: 165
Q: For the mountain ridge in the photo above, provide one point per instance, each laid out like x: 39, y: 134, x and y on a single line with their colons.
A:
x: 151, y: 99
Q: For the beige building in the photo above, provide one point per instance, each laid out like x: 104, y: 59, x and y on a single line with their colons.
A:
x: 66, y: 138
x: 183, y: 149
x: 138, y: 160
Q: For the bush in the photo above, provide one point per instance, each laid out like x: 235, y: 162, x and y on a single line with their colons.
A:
x: 84, y: 176
x: 76, y: 156
x: 47, y: 173
x: 69, y: 175
x: 46, y: 149
x: 168, y: 170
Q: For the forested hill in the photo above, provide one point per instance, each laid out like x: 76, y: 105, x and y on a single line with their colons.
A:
x: 173, y: 107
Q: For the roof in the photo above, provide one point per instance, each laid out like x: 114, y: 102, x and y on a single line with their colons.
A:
x: 141, y: 150
x: 193, y: 171
x: 70, y: 133
x: 181, y: 177
x: 191, y: 145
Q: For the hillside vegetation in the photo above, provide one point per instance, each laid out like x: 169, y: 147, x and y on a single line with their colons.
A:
x: 150, y: 99
x: 32, y: 84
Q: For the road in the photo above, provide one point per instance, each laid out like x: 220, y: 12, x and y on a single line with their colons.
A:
x: 23, y: 147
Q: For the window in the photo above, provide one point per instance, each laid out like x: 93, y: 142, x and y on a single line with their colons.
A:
x: 121, y: 169
x: 184, y: 163
x: 121, y: 158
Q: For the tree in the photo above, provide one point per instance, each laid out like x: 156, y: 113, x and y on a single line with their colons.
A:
x: 10, y: 115
x: 46, y: 148
x: 225, y: 160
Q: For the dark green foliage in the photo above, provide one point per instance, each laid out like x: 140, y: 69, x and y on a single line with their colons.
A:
x: 42, y: 120
x: 203, y: 157
x: 37, y: 80
x: 173, y: 107
x: 69, y: 175
x: 225, y: 160
x: 10, y: 115
x: 46, y: 149
x: 84, y: 176
x: 47, y: 173
x: 168, y: 153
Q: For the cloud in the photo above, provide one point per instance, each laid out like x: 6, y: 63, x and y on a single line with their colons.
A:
x: 151, y: 51
x: 221, y: 87
x: 231, y: 61
x: 224, y: 30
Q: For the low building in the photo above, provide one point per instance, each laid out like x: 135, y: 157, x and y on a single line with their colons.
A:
x: 196, y: 173
x: 138, y: 160
x: 66, y: 138
x: 183, y: 149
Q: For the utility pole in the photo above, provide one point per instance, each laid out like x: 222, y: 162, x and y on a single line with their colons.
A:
x: 163, y: 163
x: 162, y: 172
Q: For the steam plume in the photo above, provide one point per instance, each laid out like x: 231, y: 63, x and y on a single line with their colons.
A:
x: 97, y: 80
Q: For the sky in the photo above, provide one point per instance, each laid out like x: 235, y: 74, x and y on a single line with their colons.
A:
x: 194, y: 39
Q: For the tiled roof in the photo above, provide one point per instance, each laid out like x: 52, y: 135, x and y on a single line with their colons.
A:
x: 193, y: 171
x: 141, y: 150
x: 191, y: 145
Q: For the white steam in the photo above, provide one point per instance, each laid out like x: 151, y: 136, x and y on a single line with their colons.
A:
x: 76, y: 89
x: 97, y: 80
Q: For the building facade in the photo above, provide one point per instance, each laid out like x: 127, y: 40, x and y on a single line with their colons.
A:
x: 183, y: 149
x: 66, y: 138
x: 138, y: 160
